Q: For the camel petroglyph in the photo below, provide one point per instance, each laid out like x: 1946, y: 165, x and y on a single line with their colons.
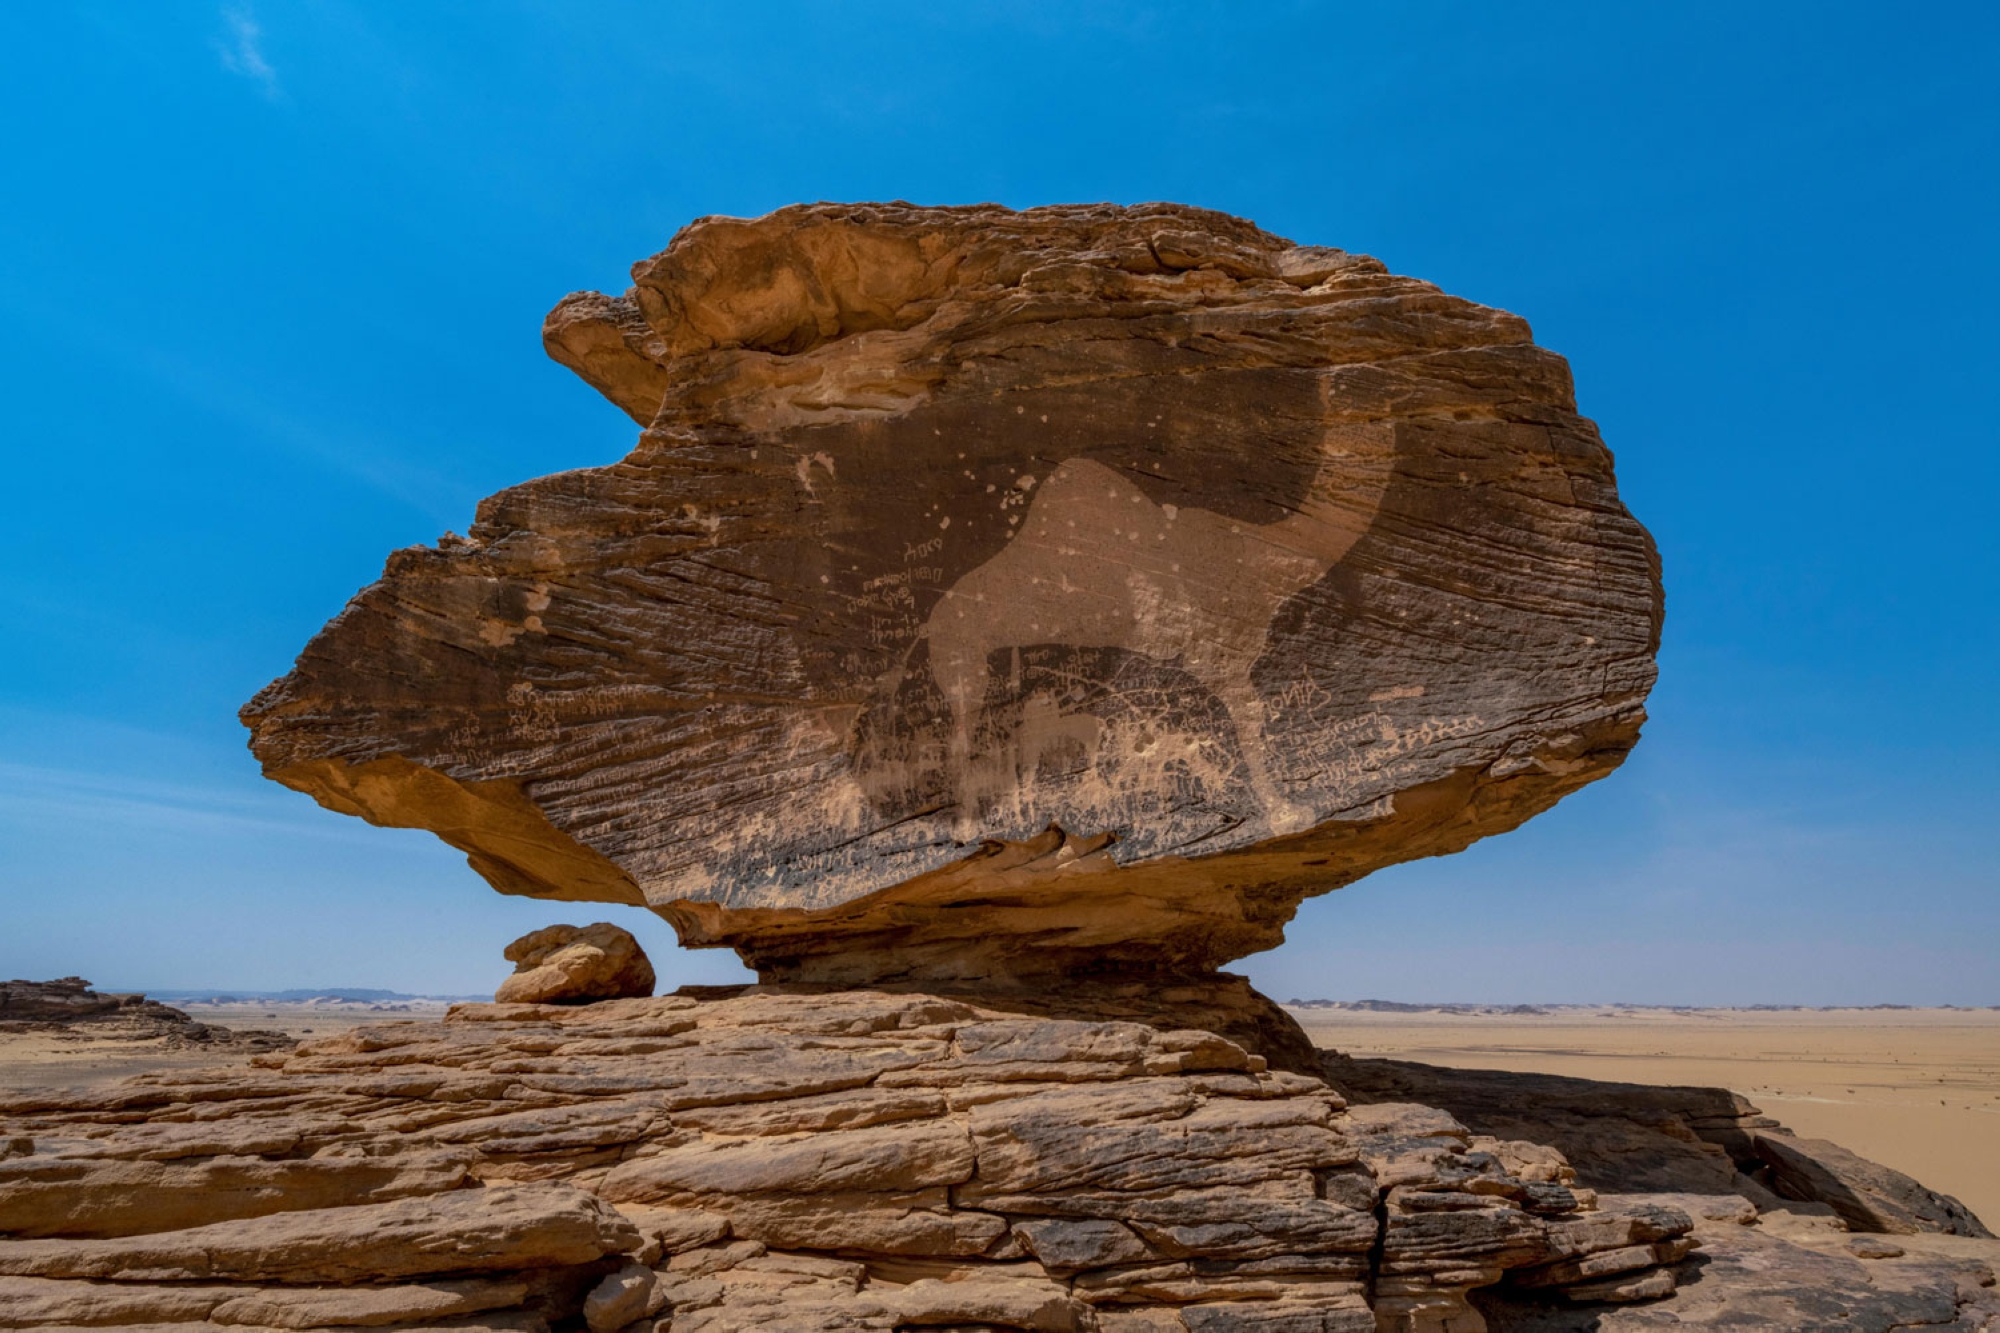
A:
x: 1097, y: 564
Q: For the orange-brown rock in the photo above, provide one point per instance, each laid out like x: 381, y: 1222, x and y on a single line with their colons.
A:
x: 1002, y: 593
x: 780, y: 1159
x: 572, y: 964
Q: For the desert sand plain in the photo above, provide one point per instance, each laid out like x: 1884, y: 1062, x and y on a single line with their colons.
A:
x: 1915, y: 1089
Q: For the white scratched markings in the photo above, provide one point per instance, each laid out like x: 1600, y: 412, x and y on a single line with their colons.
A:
x: 1099, y: 565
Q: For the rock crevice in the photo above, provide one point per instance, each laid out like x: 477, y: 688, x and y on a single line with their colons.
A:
x: 772, y: 1159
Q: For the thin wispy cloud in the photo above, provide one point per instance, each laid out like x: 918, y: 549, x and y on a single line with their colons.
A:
x: 242, y: 50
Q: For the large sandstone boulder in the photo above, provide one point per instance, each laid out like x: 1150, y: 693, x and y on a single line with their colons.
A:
x: 990, y: 595
x: 997, y: 592
x: 572, y: 964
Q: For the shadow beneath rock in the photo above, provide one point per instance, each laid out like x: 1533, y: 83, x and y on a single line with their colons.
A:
x: 1635, y: 1138
x: 1218, y: 1002
x: 1509, y: 1309
x: 1625, y: 1138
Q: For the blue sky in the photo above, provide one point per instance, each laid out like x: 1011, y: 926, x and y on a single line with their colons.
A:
x: 272, y: 288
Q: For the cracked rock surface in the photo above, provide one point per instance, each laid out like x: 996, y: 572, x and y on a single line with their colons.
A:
x: 1788, y: 1233
x: 1003, y: 620
x: 774, y: 1159
x: 995, y: 593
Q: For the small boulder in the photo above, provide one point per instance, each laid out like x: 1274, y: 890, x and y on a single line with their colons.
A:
x: 629, y: 1294
x: 575, y: 964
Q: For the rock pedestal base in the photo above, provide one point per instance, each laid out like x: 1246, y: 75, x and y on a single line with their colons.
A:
x: 853, y: 1160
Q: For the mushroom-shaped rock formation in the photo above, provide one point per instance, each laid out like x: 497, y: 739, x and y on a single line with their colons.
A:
x: 993, y: 594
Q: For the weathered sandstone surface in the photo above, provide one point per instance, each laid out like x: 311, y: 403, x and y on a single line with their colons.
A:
x: 782, y: 1160
x: 1625, y: 1137
x: 576, y: 963
x: 1793, y: 1233
x: 68, y: 1009
x: 798, y: 1159
x: 1004, y: 619
x: 997, y: 592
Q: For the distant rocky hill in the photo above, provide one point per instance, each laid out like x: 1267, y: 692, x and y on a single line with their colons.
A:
x: 68, y: 1007
x: 326, y: 995
x: 1398, y: 1007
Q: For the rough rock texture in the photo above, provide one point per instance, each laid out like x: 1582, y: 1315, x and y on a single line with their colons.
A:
x: 1867, y: 1195
x: 783, y: 1160
x: 786, y: 1158
x: 1003, y: 620
x: 567, y: 964
x: 68, y: 1008
x: 1218, y: 1002
x: 1775, y: 1249
x: 1628, y: 1137
x: 1002, y: 592
x: 1772, y: 1274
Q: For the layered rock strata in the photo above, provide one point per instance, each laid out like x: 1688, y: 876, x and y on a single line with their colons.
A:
x: 1002, y: 593
x: 68, y: 1009
x: 1003, y: 620
x: 1832, y: 1241
x: 783, y: 1161
x: 1628, y: 1137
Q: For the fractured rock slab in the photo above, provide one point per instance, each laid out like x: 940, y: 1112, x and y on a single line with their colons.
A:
x: 1867, y: 1195
x: 1628, y: 1137
x: 1002, y: 593
x: 781, y: 1160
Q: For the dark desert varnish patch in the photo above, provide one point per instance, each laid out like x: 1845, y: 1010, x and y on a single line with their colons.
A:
x: 1003, y: 594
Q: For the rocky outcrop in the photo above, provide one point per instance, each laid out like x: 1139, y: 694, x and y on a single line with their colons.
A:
x: 1774, y: 1249
x: 1627, y: 1137
x: 1003, y: 620
x: 1002, y: 593
x: 779, y: 1159
x: 1218, y: 1002
x: 68, y: 1009
x: 1867, y: 1195
x: 574, y: 964
x: 1769, y: 1272
x: 771, y: 1158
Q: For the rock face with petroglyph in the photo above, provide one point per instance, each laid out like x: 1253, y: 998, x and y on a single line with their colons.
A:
x: 993, y: 593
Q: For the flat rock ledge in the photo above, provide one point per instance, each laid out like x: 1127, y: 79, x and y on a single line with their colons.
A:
x: 853, y: 1160
x: 856, y: 1160
x: 1793, y: 1233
